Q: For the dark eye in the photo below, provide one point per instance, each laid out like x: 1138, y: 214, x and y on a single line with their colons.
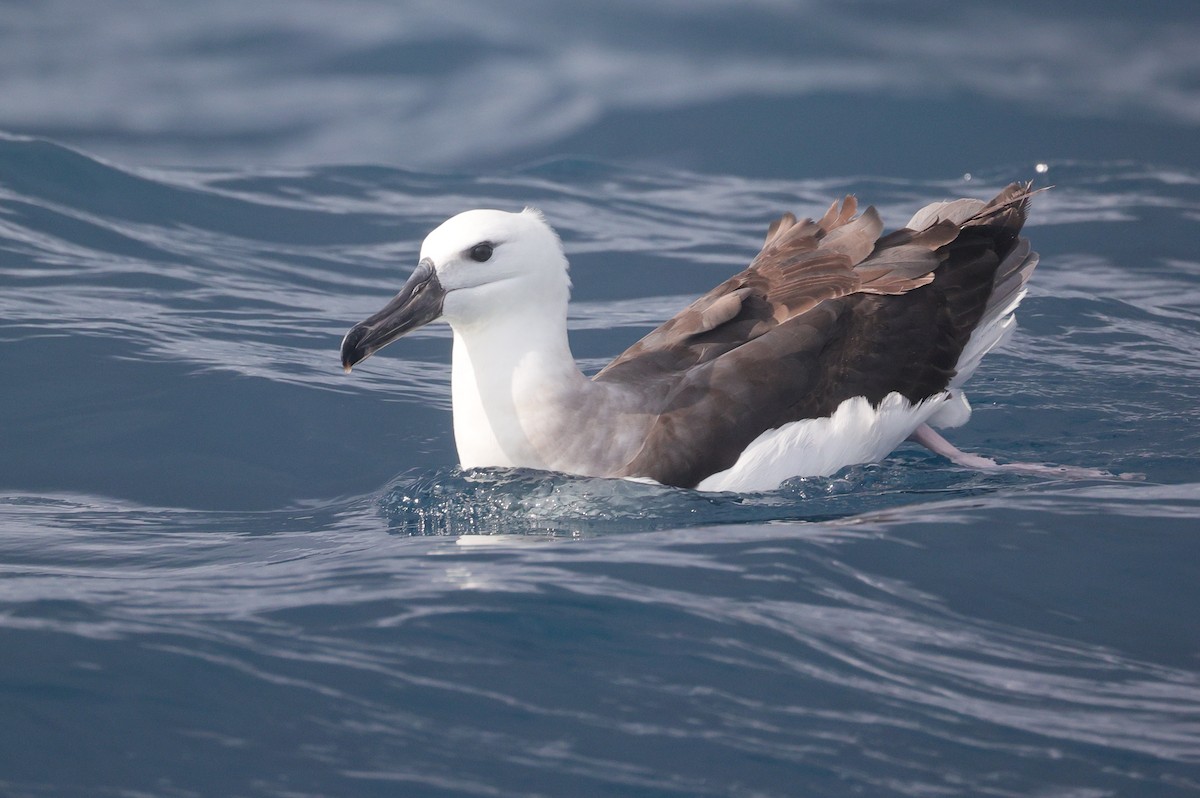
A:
x: 482, y: 252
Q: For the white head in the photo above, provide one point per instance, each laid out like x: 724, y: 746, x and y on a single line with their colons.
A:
x: 493, y: 262
x: 475, y: 267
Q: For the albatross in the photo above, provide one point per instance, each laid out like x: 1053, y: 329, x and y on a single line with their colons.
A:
x: 834, y: 346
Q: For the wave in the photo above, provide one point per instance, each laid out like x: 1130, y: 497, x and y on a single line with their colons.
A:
x: 844, y: 651
x: 393, y: 83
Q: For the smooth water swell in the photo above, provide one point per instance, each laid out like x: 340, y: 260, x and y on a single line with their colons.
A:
x: 715, y: 660
x: 228, y: 568
x: 751, y: 88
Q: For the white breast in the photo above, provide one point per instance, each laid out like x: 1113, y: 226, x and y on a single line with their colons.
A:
x: 474, y: 431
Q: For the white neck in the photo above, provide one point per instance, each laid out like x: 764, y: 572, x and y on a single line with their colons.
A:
x: 512, y: 373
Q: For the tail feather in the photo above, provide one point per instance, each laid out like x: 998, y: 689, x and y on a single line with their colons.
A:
x: 999, y: 222
x: 1007, y: 211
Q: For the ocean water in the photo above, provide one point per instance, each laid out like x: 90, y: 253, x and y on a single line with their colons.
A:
x: 229, y: 569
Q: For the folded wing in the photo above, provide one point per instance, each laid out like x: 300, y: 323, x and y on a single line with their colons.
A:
x: 828, y: 310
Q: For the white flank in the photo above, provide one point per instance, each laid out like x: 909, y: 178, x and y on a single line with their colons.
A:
x: 855, y: 433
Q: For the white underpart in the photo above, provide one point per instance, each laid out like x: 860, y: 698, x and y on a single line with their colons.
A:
x: 954, y: 412
x: 477, y: 441
x: 855, y: 433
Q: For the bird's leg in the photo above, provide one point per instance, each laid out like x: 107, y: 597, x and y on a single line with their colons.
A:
x: 928, y: 437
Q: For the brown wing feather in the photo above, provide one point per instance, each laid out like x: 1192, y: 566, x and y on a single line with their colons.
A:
x: 802, y: 264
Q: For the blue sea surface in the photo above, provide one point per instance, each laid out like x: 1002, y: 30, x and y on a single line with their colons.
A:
x: 229, y: 569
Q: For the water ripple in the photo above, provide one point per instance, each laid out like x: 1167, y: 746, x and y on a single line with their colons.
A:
x: 904, y: 628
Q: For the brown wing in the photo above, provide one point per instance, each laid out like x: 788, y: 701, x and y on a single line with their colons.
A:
x: 826, y: 311
x: 802, y: 264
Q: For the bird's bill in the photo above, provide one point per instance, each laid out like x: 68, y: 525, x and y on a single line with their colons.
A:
x: 418, y: 303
